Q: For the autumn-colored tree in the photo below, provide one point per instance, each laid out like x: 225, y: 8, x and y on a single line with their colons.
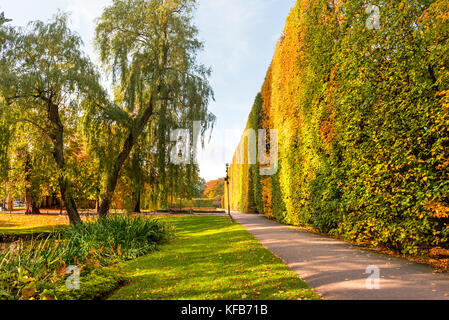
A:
x: 214, y: 189
x: 49, y: 83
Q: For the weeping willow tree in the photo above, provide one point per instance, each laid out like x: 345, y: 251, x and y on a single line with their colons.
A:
x: 150, y: 47
x: 50, y: 92
x: 149, y: 176
x: 46, y: 81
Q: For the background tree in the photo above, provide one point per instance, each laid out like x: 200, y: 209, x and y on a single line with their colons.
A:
x: 31, y: 165
x: 214, y: 189
x: 6, y: 34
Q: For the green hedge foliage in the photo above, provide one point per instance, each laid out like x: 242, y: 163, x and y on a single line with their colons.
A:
x: 363, y: 121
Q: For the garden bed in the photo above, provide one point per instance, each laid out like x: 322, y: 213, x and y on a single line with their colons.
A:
x: 36, y: 269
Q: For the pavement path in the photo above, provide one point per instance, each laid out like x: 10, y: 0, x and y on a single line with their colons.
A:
x: 337, y: 270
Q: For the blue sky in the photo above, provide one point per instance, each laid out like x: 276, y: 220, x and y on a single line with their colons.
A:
x: 239, y: 37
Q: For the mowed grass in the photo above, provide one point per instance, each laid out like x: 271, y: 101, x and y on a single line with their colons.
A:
x: 211, y: 259
x: 21, y: 224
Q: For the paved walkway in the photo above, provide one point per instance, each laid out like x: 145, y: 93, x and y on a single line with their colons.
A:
x: 337, y: 269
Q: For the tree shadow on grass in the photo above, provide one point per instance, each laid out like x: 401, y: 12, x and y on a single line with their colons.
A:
x: 36, y: 233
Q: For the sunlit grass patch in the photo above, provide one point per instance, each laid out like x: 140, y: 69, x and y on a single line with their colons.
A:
x: 211, y: 259
x: 18, y: 224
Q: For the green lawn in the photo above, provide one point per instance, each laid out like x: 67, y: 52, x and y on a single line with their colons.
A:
x: 211, y: 259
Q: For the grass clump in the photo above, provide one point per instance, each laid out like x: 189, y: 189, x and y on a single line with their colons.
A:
x: 126, y: 236
x: 36, y: 269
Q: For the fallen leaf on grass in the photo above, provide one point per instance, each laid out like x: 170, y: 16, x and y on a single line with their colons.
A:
x: 29, y: 291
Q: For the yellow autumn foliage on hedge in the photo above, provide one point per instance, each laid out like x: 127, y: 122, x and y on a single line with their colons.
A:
x: 362, y: 117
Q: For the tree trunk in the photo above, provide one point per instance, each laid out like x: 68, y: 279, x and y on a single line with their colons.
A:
x: 137, y: 208
x: 69, y: 202
x: 31, y: 206
x: 113, y: 175
x: 58, y: 154
x: 9, y: 203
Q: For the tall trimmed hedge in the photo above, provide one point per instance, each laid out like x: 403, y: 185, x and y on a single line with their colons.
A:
x: 363, y: 121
